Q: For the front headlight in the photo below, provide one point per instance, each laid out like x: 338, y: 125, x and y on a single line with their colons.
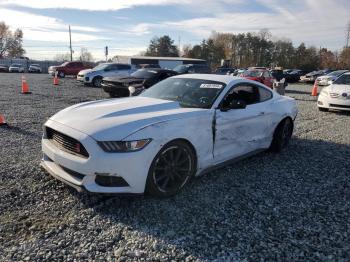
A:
x: 123, y: 146
x: 132, y: 89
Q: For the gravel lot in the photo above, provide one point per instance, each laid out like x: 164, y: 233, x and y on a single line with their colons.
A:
x: 290, y: 206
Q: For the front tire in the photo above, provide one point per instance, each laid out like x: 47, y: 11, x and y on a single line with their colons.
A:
x: 171, y: 169
x: 61, y: 74
x: 282, y: 135
x: 97, y: 81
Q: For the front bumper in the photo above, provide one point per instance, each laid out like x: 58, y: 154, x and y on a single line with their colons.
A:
x: 80, y: 78
x: 340, y: 103
x: 131, y: 167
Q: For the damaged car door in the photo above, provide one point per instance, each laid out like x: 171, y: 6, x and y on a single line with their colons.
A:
x: 242, y: 122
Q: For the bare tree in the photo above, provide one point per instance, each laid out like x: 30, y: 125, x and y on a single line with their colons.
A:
x: 85, y: 55
x: 62, y: 57
x: 10, y: 42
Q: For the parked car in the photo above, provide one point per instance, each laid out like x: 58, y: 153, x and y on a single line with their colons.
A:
x: 311, y: 77
x: 94, y: 76
x: 224, y: 71
x: 4, y: 68
x: 238, y: 71
x: 18, y: 68
x: 156, y: 142
x: 35, y: 68
x: 260, y: 75
x: 325, y: 80
x: 278, y: 74
x: 336, y: 96
x: 192, y: 69
x: 293, y: 76
x: 68, y: 68
x: 136, y: 82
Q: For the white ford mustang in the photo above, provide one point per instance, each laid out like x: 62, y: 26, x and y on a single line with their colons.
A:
x: 156, y: 142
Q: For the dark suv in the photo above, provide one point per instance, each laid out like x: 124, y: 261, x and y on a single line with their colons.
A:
x: 192, y: 69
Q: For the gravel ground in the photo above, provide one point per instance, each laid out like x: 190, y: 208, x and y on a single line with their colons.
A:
x: 289, y: 206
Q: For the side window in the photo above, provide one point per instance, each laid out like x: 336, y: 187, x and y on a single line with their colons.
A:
x: 124, y: 67
x: 112, y: 68
x: 248, y: 93
x: 264, y: 94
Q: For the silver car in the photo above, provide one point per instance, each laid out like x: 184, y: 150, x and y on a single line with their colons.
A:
x: 18, y: 68
x: 94, y: 76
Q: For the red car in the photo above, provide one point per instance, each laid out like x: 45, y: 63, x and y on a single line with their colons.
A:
x: 260, y: 75
x: 68, y: 68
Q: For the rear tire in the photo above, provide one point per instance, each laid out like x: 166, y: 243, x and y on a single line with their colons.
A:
x: 282, y: 135
x: 171, y: 169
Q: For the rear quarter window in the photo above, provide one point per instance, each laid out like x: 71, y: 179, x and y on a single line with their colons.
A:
x: 264, y: 94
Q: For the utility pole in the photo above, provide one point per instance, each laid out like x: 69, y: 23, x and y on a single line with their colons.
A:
x: 348, y: 36
x: 179, y: 46
x: 70, y: 44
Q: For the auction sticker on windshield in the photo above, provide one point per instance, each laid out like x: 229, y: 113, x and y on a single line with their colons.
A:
x: 215, y: 86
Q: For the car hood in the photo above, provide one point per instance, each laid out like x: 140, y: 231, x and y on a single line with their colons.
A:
x: 85, y: 71
x: 334, y: 88
x: 115, y: 119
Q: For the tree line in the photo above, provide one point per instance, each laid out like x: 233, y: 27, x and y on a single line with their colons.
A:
x: 254, y: 49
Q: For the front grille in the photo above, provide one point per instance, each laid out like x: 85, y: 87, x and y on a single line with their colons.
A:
x: 340, y: 106
x: 66, y: 143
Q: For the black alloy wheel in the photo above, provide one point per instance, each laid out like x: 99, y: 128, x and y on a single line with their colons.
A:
x: 282, y: 135
x: 171, y: 169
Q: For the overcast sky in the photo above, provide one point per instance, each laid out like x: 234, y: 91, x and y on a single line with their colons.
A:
x: 126, y: 26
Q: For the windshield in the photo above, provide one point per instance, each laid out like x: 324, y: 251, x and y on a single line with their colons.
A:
x: 252, y: 73
x: 64, y: 64
x: 181, y: 69
x: 197, y: 93
x: 142, y: 73
x: 17, y: 65
x: 337, y: 73
x: 343, y: 80
x: 34, y: 65
x: 101, y: 66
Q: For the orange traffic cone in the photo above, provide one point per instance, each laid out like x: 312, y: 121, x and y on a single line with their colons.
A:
x: 25, y: 87
x: 2, y: 120
x: 55, y: 81
x: 314, y: 89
